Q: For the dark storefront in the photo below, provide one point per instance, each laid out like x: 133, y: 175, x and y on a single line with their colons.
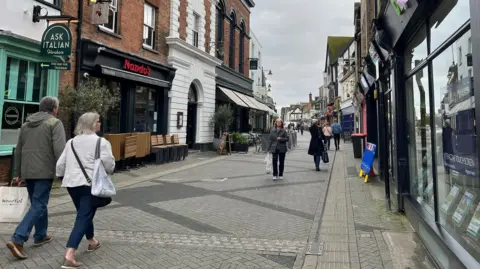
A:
x: 235, y: 89
x: 143, y: 84
x: 426, y: 104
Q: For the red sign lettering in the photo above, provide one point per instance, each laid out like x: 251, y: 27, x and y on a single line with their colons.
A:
x: 140, y: 69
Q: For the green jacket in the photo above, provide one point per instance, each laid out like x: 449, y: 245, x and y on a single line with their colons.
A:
x: 40, y: 144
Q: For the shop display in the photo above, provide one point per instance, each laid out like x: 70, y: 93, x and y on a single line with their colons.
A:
x: 450, y: 200
x: 463, y: 208
x: 473, y: 229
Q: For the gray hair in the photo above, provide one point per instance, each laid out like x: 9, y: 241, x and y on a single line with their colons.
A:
x: 86, y: 123
x: 314, y: 121
x: 48, y: 104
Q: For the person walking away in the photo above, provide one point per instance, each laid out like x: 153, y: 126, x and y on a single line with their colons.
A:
x: 40, y: 144
x: 301, y: 128
x: 337, y: 131
x: 76, y: 164
x: 328, y: 133
x: 316, y: 144
x: 278, y: 148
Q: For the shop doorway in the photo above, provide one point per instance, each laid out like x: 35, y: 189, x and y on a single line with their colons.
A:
x: 192, y: 115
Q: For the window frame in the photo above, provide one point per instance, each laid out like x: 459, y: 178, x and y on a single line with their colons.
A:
x: 149, y: 27
x: 57, y: 4
x: 196, y: 30
x: 114, y: 9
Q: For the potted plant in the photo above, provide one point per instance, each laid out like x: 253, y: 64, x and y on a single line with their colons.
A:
x: 221, y: 119
x: 240, y: 142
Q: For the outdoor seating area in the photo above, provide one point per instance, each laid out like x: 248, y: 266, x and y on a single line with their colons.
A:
x: 133, y: 150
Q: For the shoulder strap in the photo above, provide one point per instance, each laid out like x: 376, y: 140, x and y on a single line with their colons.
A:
x: 97, y: 149
x: 80, y: 164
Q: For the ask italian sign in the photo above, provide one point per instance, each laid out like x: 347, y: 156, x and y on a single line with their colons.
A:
x: 56, y: 41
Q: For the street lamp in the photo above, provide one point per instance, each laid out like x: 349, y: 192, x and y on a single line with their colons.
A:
x: 269, y: 87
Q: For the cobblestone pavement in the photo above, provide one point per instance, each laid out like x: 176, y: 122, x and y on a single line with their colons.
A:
x: 222, y: 213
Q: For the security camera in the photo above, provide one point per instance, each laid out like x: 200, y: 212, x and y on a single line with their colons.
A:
x: 86, y: 75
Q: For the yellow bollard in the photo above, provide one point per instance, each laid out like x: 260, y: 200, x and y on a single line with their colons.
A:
x: 361, y: 173
x: 366, y: 179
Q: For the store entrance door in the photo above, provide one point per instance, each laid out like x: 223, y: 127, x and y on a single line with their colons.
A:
x: 192, y: 116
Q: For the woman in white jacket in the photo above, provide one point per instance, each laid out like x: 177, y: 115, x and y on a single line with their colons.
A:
x: 68, y: 168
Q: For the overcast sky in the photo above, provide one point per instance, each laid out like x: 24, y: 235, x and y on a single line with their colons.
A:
x: 293, y: 34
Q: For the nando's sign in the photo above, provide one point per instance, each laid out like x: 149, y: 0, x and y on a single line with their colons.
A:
x: 137, y: 68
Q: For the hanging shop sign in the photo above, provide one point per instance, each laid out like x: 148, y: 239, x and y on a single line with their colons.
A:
x: 100, y: 13
x: 253, y: 64
x: 137, y: 68
x: 399, y: 6
x: 56, y: 41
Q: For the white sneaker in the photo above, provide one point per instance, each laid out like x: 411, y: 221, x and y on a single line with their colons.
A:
x: 280, y: 178
x: 274, y: 178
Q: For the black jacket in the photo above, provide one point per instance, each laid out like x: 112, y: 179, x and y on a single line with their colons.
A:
x: 316, y: 142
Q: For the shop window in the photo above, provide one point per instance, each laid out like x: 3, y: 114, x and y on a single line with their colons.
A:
x: 416, y: 50
x: 111, y: 124
x: 146, y: 111
x: 25, y: 86
x: 112, y: 25
x: 419, y: 139
x: 457, y: 160
x: 196, y: 28
x: 448, y: 17
x: 241, y: 48
x: 233, y: 24
x: 220, y: 9
x: 149, y: 26
x: 57, y: 3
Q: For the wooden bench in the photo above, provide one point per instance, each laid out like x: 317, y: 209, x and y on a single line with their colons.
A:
x: 182, y: 148
x: 130, y: 147
x: 158, y: 150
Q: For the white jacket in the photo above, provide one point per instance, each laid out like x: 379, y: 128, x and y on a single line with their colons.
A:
x: 67, y: 165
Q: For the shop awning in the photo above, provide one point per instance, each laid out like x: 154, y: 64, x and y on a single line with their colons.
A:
x: 130, y: 76
x: 261, y: 106
x: 232, y: 96
x: 247, y: 100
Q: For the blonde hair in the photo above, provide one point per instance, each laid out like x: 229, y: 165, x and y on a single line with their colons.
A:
x: 87, y: 123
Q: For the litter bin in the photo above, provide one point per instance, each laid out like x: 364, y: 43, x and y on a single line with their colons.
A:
x: 358, y: 144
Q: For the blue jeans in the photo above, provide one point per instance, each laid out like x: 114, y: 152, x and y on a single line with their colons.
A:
x: 316, y: 160
x: 82, y: 199
x: 37, y: 215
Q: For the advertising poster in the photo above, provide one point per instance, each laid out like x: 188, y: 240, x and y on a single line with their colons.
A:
x: 452, y: 196
x: 473, y: 229
x: 463, y: 208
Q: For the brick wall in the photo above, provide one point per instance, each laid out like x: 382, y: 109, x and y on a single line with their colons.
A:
x: 5, y: 163
x: 367, y: 15
x: 128, y: 39
x: 242, y: 13
x: 208, y: 24
x: 182, y: 29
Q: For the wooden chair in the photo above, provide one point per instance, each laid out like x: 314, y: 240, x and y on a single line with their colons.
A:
x: 157, y: 149
x: 182, y: 148
x: 130, y: 148
x: 172, y: 150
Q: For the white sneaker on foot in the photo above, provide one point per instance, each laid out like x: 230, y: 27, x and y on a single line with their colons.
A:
x: 280, y: 178
x: 274, y: 178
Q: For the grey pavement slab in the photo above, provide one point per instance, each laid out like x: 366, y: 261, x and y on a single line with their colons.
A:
x: 212, y: 213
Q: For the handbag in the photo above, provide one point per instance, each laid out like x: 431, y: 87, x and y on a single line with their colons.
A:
x: 102, y: 183
x: 96, y: 200
x: 14, y: 203
x: 325, y: 158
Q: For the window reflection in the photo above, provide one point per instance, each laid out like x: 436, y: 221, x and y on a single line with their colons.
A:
x: 448, y: 17
x: 416, y: 50
x: 457, y: 165
x: 419, y: 137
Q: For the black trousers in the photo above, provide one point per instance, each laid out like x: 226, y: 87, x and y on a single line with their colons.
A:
x: 336, y: 137
x: 327, y: 141
x: 278, y: 167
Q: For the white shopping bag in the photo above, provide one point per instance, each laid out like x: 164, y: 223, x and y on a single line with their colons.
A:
x: 268, y: 163
x: 102, y: 185
x: 14, y: 204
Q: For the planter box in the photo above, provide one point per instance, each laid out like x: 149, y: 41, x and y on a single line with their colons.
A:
x: 239, y: 147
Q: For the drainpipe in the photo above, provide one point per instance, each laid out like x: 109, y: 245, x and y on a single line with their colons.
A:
x: 78, y: 53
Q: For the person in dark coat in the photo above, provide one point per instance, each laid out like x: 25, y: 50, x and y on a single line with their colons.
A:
x: 316, y: 144
x: 278, y: 147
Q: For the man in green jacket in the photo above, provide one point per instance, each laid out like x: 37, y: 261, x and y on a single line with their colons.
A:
x: 40, y: 144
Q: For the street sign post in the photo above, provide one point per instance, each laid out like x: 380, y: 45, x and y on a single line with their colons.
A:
x: 55, y: 66
x: 56, y: 41
x: 367, y: 160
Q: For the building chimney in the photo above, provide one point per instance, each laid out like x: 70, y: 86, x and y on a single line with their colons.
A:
x: 310, y: 98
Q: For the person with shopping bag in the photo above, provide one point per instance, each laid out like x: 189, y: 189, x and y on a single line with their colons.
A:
x: 316, y: 146
x: 78, y: 168
x: 278, y: 148
x: 40, y: 144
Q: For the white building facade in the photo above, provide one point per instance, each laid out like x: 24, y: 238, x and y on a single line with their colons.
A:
x: 192, y: 97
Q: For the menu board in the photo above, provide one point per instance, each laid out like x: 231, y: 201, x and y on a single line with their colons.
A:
x: 473, y: 229
x: 463, y: 208
x: 452, y: 197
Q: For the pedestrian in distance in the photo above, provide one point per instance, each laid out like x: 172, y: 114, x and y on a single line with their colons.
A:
x: 316, y: 144
x: 76, y: 167
x: 278, y: 148
x: 328, y: 133
x: 40, y: 144
x: 301, y: 128
x: 337, y: 131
